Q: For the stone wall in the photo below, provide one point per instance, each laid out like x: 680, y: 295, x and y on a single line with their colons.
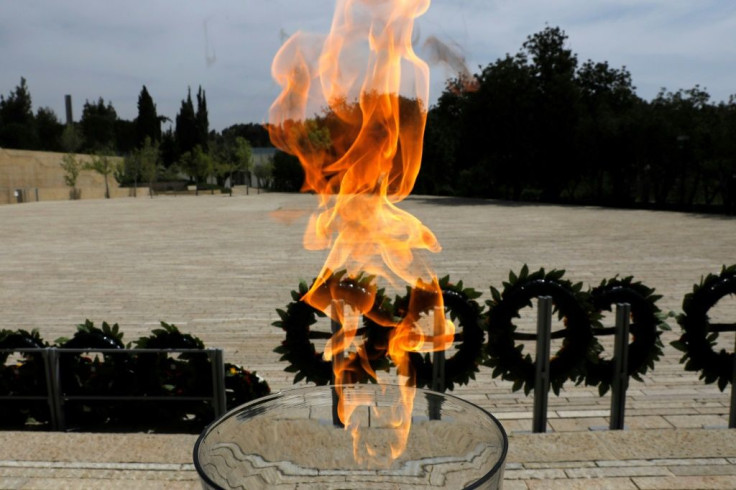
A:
x: 36, y: 175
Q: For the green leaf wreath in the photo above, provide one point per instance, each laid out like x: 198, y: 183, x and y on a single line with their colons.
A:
x: 700, y: 336
x: 462, y: 365
x: 648, y: 321
x: 25, y: 377
x: 507, y: 358
x: 298, y: 348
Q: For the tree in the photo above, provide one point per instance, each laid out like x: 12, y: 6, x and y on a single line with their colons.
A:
x: 72, y: 167
x: 149, y: 158
x: 198, y: 164
x: 125, y: 139
x: 148, y: 123
x: 167, y: 148
x: 680, y: 144
x: 201, y: 120
x: 510, y: 132
x: 71, y: 138
x: 553, y: 68
x: 104, y: 165
x: 230, y: 156
x: 539, y: 126
x: 49, y: 129
x: 723, y: 167
x: 287, y: 173
x: 264, y: 174
x: 17, y: 124
x: 98, y: 125
x: 496, y: 146
x: 242, y: 156
x: 606, y: 134
x: 131, y: 170
x: 186, y: 126
x: 442, y: 140
x: 140, y: 165
x: 236, y: 156
x: 256, y: 134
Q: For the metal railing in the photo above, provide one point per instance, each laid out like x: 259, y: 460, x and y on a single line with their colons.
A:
x: 56, y: 397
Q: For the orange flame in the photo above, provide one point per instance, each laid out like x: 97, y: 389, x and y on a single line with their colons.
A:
x: 353, y: 109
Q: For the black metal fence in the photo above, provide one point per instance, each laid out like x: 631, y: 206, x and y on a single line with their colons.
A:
x: 57, y: 396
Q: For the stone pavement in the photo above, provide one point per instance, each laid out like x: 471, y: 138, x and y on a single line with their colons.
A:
x: 218, y: 267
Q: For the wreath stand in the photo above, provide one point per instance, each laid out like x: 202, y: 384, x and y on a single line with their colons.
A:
x: 732, y: 411
x: 338, y: 305
x: 620, y: 380
x: 541, y: 376
x: 438, y: 365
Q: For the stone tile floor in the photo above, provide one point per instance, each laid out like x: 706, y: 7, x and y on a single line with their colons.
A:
x: 219, y: 267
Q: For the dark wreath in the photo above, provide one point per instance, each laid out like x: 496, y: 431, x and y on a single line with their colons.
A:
x: 700, y: 335
x: 461, y: 367
x: 298, y: 348
x: 645, y: 329
x: 27, y: 377
x: 87, y: 375
x: 572, y: 306
x: 98, y: 377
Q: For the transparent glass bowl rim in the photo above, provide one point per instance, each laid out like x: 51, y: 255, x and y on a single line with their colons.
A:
x: 498, y: 466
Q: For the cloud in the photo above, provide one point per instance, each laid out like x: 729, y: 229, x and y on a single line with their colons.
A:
x: 109, y: 49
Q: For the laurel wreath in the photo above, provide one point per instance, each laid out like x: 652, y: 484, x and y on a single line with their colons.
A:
x: 25, y: 378
x: 647, y: 323
x: 298, y: 348
x: 572, y: 306
x: 22, y: 339
x: 579, y: 359
x: 308, y: 364
x: 700, y: 336
x: 462, y: 365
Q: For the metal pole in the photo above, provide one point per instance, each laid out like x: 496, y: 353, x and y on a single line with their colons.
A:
x: 732, y: 413
x: 620, y: 381
x: 219, y: 400
x: 541, y: 379
x: 438, y: 356
x: 338, y: 310
x: 53, y: 388
x: 438, y: 363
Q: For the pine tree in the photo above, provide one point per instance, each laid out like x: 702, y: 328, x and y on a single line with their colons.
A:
x: 167, y: 148
x: 203, y: 125
x: 186, y: 126
x: 147, y: 124
x: 49, y: 129
x: 98, y: 125
x: 17, y: 124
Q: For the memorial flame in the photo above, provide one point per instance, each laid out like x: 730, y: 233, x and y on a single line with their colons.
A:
x: 353, y: 109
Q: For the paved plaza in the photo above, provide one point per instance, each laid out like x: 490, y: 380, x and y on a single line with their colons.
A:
x: 219, y: 267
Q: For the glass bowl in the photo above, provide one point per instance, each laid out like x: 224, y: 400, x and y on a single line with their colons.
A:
x: 294, y: 439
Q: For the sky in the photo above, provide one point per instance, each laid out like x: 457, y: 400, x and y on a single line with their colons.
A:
x: 110, y: 49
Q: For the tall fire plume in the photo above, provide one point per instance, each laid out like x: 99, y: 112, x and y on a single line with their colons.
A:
x: 353, y: 108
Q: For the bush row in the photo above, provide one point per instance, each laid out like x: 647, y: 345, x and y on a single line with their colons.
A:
x: 173, y: 375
